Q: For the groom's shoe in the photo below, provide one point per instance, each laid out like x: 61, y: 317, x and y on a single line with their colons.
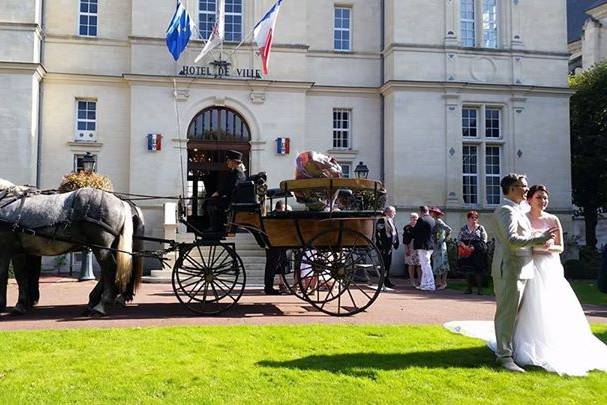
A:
x: 509, y: 364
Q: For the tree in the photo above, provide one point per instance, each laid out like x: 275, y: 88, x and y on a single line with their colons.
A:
x: 589, y: 145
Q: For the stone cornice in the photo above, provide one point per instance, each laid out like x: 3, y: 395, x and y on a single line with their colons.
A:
x: 392, y: 85
x: 395, y: 47
x: 192, y: 81
x: 344, y: 90
x: 83, y: 78
x: 23, y: 67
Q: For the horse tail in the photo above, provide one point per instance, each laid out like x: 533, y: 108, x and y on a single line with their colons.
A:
x: 138, y: 230
x: 124, y: 257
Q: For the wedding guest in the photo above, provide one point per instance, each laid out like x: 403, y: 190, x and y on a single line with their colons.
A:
x: 473, y: 235
x: 424, y: 245
x: 411, y: 257
x: 440, y: 260
x: 386, y: 237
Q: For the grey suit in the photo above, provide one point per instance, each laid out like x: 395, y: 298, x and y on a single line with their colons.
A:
x: 511, y: 268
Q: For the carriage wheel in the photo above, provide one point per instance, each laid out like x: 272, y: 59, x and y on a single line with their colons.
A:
x: 291, y: 272
x: 342, y: 272
x: 208, y: 280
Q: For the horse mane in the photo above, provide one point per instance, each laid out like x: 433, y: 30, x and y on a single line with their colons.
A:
x: 12, y: 188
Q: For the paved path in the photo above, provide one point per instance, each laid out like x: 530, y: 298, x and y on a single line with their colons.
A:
x: 63, y: 300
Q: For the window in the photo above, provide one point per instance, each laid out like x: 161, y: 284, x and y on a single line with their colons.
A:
x: 341, y: 31
x: 492, y: 123
x: 233, y: 21
x: 470, y: 171
x: 87, y: 18
x: 492, y: 174
x: 469, y: 122
x: 206, y: 17
x: 207, y: 10
x: 86, y: 122
x: 346, y: 169
x: 219, y: 124
x: 467, y: 23
x: 489, y: 23
x: 481, y: 155
x: 478, y: 23
x: 341, y: 128
x: 78, y: 166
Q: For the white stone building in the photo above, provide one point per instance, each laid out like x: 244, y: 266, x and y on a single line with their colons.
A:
x: 439, y: 98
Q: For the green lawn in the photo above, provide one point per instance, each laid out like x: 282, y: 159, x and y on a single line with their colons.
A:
x: 586, y: 290
x: 272, y: 364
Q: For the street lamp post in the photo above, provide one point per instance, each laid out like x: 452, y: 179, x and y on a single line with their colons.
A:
x: 86, y: 271
x: 361, y: 171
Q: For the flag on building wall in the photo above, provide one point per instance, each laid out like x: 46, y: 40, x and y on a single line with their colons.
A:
x: 283, y: 146
x: 263, y: 34
x: 154, y: 142
x: 179, y: 31
x: 218, y: 33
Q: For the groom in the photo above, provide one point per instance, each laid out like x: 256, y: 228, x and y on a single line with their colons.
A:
x: 512, y: 263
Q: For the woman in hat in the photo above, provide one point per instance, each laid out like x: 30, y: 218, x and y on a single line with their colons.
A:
x: 440, y: 259
x: 220, y: 199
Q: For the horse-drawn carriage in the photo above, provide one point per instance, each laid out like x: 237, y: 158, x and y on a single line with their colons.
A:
x: 332, y: 263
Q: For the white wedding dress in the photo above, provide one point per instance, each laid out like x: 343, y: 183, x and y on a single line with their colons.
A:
x: 551, y: 331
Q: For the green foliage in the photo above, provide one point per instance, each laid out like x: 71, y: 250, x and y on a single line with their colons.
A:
x: 589, y: 144
x: 308, y: 364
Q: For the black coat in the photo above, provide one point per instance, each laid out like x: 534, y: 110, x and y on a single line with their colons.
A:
x: 422, y: 233
x: 226, y: 187
x: 386, y: 238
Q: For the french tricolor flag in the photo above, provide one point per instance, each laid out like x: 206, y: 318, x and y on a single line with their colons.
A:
x: 263, y: 33
x: 154, y: 142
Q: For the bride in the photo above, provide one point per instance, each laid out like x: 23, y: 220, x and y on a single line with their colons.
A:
x: 551, y: 331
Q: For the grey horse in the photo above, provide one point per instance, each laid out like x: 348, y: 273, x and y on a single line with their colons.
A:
x: 33, y: 224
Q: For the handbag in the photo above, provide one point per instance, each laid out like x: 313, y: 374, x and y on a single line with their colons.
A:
x: 464, y: 250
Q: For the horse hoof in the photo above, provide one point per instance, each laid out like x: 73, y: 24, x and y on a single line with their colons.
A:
x: 86, y: 312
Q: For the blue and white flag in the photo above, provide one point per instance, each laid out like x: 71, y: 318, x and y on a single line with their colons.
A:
x: 179, y: 31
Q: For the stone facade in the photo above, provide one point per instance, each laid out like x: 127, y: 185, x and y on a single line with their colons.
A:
x: 406, y: 84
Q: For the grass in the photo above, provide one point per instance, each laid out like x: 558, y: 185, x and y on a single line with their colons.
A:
x: 586, y: 290
x: 272, y: 364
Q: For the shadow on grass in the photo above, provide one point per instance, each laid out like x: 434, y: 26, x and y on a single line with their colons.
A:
x: 365, y: 365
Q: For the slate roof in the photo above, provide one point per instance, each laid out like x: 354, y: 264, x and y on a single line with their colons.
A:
x: 576, y: 16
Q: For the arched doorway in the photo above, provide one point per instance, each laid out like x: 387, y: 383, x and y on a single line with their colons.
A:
x: 211, y: 133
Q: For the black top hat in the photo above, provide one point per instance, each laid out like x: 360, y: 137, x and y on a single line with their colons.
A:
x: 234, y: 155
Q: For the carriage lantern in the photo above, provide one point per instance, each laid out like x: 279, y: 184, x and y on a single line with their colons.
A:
x: 88, y: 163
x: 361, y: 171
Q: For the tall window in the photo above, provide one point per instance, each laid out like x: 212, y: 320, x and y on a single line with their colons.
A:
x: 342, y: 29
x: 489, y: 23
x: 478, y: 23
x: 492, y: 174
x: 206, y: 17
x: 467, y: 23
x: 341, y: 128
x: 87, y: 18
x: 207, y: 10
x: 470, y: 172
x: 481, y: 154
x: 233, y: 21
x: 86, y: 121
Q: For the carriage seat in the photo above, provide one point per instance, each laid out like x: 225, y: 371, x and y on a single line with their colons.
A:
x: 244, y: 197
